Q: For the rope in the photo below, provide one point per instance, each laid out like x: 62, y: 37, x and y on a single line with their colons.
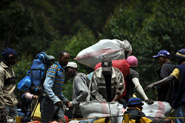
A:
x: 169, y: 118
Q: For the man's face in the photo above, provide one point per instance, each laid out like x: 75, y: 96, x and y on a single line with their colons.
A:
x: 63, y: 60
x: 70, y: 72
x: 161, y: 60
x: 12, y: 60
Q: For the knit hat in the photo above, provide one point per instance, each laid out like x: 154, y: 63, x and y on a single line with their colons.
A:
x: 164, y: 53
x: 106, y: 64
x: 72, y: 64
x: 132, y: 60
x: 8, y: 52
x: 181, y: 53
x: 134, y: 102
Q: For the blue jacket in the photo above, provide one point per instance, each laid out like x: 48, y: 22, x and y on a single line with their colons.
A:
x: 180, y: 94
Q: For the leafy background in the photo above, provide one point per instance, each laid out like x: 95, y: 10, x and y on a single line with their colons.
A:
x: 31, y: 26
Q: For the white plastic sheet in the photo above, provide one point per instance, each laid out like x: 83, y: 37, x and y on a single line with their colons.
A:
x: 157, y: 109
x: 111, y: 48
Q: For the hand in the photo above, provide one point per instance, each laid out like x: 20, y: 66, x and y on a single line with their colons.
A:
x: 59, y: 103
x: 69, y: 104
x: 149, y: 101
x: 34, y: 97
x: 149, y: 87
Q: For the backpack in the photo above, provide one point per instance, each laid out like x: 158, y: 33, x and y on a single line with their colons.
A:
x: 36, y: 74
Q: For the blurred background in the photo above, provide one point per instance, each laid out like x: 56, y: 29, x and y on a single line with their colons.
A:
x: 32, y: 26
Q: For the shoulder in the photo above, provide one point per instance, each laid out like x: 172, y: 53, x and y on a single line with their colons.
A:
x: 133, y: 72
x: 116, y: 70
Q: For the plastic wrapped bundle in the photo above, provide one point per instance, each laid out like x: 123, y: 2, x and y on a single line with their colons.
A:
x: 111, y: 48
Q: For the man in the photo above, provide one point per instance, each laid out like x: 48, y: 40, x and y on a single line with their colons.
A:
x: 132, y: 81
x: 107, y: 82
x: 135, y: 111
x: 8, y: 101
x: 53, y: 98
x: 179, y: 93
x: 164, y: 91
x: 80, y: 88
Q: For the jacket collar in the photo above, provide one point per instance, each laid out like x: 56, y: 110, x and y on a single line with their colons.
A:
x: 100, y: 75
x: 3, y: 65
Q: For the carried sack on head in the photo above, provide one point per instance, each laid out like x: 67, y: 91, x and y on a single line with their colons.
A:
x: 36, y: 74
x: 111, y: 48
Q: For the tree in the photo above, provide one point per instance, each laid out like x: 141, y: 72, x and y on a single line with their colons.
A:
x: 150, y: 27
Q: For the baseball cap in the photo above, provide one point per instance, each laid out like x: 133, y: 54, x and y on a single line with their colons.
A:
x: 44, y: 56
x: 106, y: 64
x: 71, y: 64
x: 132, y: 60
x: 164, y: 53
x: 181, y: 53
x: 135, y: 101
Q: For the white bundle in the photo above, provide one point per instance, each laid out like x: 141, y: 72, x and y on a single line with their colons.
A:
x: 111, y: 48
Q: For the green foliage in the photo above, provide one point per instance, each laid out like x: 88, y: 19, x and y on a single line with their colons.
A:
x: 31, y: 26
x: 150, y: 27
x: 74, y: 46
x: 21, y: 68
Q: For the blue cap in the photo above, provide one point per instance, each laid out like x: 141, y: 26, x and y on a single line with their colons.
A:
x: 134, y: 101
x: 8, y: 52
x: 164, y: 53
x: 181, y: 53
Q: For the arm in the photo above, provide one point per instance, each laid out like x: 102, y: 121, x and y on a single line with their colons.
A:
x: 48, y: 84
x: 2, y: 103
x: 81, y: 91
x: 30, y: 96
x: 120, y: 87
x: 139, y: 88
x: 161, y: 82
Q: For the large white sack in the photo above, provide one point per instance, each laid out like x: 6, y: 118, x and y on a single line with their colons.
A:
x: 99, y: 109
x: 111, y: 48
x: 157, y: 109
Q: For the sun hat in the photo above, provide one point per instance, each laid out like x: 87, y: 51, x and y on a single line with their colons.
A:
x: 164, y: 53
x: 132, y: 60
x: 72, y: 65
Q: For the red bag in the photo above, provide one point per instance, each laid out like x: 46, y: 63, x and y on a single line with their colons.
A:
x: 122, y: 65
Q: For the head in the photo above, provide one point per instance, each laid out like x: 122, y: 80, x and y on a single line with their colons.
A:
x: 63, y: 57
x: 9, y: 56
x: 163, y: 56
x: 132, y: 60
x: 135, y: 102
x: 71, y: 69
x: 180, y: 54
x: 106, y: 66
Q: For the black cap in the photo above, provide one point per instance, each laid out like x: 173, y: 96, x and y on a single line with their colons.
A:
x: 106, y: 64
